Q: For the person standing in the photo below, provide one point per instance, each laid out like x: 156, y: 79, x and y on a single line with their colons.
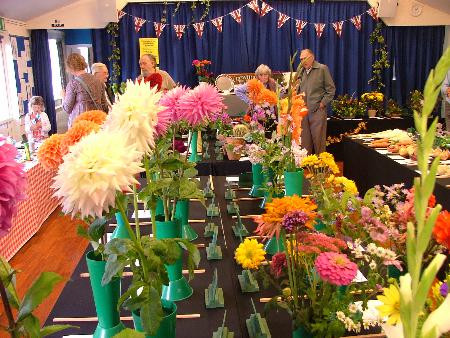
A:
x: 316, y: 82
x: 100, y: 71
x: 84, y: 92
x: 445, y: 90
x: 147, y: 63
x: 37, y: 124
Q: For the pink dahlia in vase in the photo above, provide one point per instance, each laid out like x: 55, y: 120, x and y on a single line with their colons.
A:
x: 335, y: 268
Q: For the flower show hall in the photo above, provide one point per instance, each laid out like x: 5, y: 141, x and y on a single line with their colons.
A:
x: 75, y: 305
x: 378, y: 168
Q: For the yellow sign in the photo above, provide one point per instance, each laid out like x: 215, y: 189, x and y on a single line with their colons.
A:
x: 149, y: 46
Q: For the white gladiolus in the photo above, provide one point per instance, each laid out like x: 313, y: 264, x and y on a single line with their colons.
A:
x: 438, y: 321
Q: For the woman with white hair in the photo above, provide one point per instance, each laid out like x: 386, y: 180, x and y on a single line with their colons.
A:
x: 263, y: 74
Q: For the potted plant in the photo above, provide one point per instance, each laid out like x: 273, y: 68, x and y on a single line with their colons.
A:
x: 348, y: 107
x: 234, y: 144
x: 374, y: 102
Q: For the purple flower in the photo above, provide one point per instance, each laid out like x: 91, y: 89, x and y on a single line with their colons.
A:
x: 444, y: 289
x: 12, y: 183
x: 294, y: 219
x: 179, y: 146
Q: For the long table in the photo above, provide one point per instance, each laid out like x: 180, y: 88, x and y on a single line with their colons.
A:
x: 367, y: 167
x: 31, y: 212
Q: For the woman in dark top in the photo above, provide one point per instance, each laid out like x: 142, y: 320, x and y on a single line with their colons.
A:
x: 84, y: 92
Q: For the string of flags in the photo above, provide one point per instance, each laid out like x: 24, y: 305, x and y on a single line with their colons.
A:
x: 262, y: 10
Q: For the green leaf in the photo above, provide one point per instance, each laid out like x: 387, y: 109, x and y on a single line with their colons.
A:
x: 427, y: 280
x: 129, y: 333
x: 152, y: 313
x: 190, y: 172
x: 113, y: 268
x: 7, y: 275
x: 96, y: 229
x: 132, y: 291
x: 172, y: 164
x: 38, y: 291
x: 48, y: 330
x: 31, y: 325
x: 118, y: 246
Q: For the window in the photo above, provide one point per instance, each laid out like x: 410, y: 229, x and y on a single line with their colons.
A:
x: 9, y: 105
x: 55, y: 61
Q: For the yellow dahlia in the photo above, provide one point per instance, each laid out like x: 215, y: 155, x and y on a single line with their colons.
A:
x: 136, y: 114
x: 95, y: 169
x: 250, y: 254
x: 391, y: 304
x: 343, y: 183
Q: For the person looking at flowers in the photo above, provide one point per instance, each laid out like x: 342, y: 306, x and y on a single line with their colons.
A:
x: 147, y: 63
x: 37, y: 124
x: 317, y: 84
x: 445, y: 90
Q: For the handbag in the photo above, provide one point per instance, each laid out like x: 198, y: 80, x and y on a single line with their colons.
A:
x: 86, y: 88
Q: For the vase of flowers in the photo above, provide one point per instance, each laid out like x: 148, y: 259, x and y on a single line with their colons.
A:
x: 373, y: 101
x: 202, y: 72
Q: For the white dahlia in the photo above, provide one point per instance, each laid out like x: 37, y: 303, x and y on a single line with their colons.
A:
x: 94, y: 170
x: 136, y: 113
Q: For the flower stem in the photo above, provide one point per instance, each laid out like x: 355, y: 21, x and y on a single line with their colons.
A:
x: 7, y: 306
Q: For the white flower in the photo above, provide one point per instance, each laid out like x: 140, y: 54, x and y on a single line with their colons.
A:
x: 95, y: 169
x: 380, y: 252
x: 373, y: 265
x: 136, y: 113
x: 299, y: 153
x: 371, y: 248
x: 353, y: 308
x: 340, y: 315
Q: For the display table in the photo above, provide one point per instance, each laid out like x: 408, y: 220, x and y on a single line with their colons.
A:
x: 367, y: 167
x: 32, y: 212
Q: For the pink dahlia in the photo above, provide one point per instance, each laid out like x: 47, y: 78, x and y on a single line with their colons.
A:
x: 12, y: 183
x: 170, y: 100
x: 196, y: 106
x: 335, y: 268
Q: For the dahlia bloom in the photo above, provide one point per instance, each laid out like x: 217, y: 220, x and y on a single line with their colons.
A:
x: 170, y: 101
x: 335, y: 268
x: 96, y: 116
x: 78, y: 131
x: 51, y: 152
x: 250, y: 254
x: 197, y: 105
x: 12, y: 183
x: 136, y: 114
x: 95, y: 169
x: 441, y: 230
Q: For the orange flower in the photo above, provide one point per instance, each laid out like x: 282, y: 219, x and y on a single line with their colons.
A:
x: 80, y: 130
x: 269, y: 223
x: 269, y: 97
x: 441, y: 230
x: 96, y: 116
x: 51, y: 152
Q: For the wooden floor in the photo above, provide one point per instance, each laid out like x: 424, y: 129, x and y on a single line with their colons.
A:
x: 55, y: 247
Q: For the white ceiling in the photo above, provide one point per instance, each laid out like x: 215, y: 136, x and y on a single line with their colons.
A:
x: 24, y: 10
x: 442, y: 5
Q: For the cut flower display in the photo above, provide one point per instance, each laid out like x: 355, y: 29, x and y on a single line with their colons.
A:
x: 335, y: 268
x: 250, y: 254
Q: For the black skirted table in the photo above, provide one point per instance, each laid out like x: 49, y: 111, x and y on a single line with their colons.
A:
x: 367, y: 167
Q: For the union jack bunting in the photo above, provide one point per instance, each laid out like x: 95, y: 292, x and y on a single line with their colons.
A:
x: 198, y: 26
x: 179, y: 29
x: 254, y: 5
x: 236, y: 15
x: 373, y: 12
x: 282, y: 18
x: 265, y: 8
x: 217, y: 22
x: 338, y: 26
x: 300, y: 24
x: 138, y: 23
x: 120, y: 14
x: 356, y: 20
x: 158, y: 28
x: 319, y: 29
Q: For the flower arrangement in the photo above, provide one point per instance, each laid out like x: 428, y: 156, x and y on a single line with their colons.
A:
x: 415, y: 101
x: 373, y: 100
x: 201, y: 70
x: 393, y: 109
x: 346, y: 106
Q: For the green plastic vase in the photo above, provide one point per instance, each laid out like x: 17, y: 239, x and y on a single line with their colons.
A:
x: 167, y: 327
x: 293, y: 183
x: 105, y: 299
x: 257, y: 179
x: 274, y: 246
x: 178, y: 288
x: 121, y: 230
x: 182, y: 213
x: 193, y: 157
x: 300, y: 332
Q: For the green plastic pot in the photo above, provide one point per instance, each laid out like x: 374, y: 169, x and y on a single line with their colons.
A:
x: 167, y: 327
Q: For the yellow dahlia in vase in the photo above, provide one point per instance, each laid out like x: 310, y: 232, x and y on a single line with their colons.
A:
x: 94, y: 170
x: 250, y: 254
x: 136, y: 114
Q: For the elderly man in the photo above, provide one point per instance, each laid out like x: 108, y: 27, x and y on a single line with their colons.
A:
x: 316, y: 82
x: 147, y: 62
x: 100, y: 71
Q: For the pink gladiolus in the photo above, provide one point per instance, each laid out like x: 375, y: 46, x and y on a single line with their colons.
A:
x: 196, y: 106
x: 335, y: 268
x: 12, y: 185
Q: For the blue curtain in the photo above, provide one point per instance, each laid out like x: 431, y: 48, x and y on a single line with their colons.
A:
x: 101, y: 46
x: 40, y: 60
x: 242, y: 47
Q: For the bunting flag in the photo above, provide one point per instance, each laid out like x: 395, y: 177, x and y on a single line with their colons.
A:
x: 236, y: 15
x: 282, y: 18
x: 300, y: 24
x: 356, y: 20
x: 158, y: 28
x: 217, y: 22
x: 120, y: 14
x: 138, y: 22
x: 373, y: 12
x: 338, y: 26
x: 198, y: 26
x: 254, y: 5
x: 319, y: 29
x: 179, y: 29
x: 265, y: 8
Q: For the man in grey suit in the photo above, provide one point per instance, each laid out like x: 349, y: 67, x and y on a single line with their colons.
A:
x: 318, y: 86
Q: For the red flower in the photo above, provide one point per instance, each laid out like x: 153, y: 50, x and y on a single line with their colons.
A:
x: 278, y: 263
x: 441, y: 230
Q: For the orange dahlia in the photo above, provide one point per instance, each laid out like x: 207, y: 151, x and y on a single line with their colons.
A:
x: 268, y: 96
x: 51, y: 152
x: 96, y: 116
x: 80, y: 130
x: 441, y: 230
x: 254, y: 89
